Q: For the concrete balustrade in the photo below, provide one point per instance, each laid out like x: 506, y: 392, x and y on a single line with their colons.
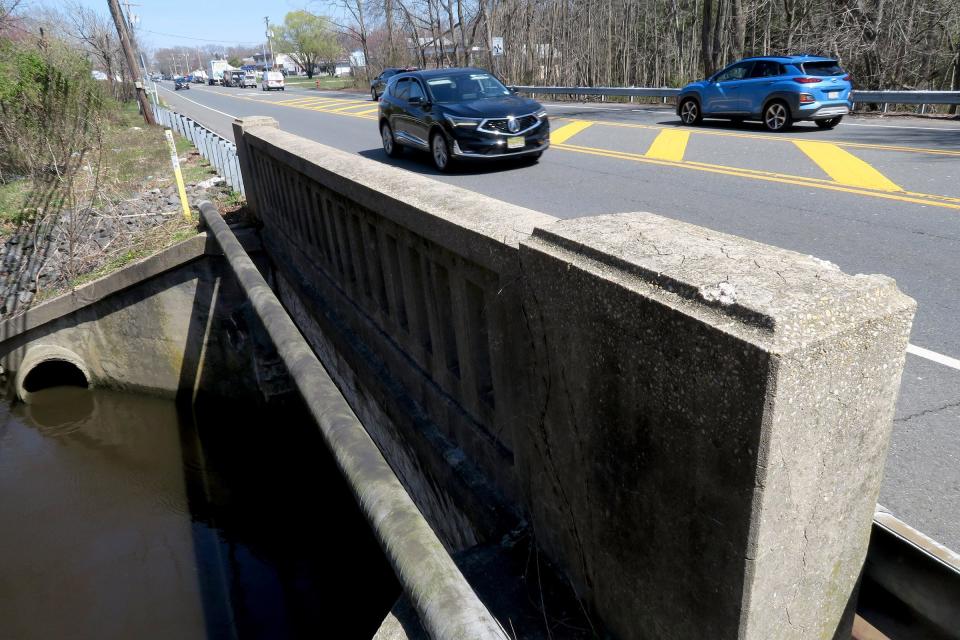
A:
x: 692, y: 425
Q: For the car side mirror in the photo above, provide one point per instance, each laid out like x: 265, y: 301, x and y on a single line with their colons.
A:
x: 415, y: 100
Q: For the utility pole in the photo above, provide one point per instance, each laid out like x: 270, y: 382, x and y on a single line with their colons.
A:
x: 131, y: 57
x: 266, y: 21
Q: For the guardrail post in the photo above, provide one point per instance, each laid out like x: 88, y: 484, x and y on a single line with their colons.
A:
x: 244, y: 156
x: 231, y: 157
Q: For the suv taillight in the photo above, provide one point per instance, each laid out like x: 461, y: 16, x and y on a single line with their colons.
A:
x: 847, y: 77
x: 807, y: 80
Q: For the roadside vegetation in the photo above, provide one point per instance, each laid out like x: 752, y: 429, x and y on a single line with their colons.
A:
x: 85, y: 185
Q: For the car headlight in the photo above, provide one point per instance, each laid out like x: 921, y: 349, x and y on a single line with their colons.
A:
x: 541, y: 114
x: 457, y: 121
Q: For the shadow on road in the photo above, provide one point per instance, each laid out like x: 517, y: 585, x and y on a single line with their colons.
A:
x: 420, y: 162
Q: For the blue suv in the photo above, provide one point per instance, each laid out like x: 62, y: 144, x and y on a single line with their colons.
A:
x: 778, y: 91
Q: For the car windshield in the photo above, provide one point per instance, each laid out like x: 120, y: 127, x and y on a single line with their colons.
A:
x: 462, y: 87
x: 823, y: 68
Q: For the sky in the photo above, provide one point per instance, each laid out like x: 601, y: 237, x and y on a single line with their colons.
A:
x: 165, y: 23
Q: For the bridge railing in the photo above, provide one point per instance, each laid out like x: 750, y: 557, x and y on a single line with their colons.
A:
x: 448, y: 607
x: 682, y: 416
x: 858, y: 96
x: 219, y: 152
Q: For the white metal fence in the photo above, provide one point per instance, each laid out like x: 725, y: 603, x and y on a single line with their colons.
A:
x: 219, y: 152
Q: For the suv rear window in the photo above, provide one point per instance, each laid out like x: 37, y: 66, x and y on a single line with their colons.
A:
x: 822, y: 68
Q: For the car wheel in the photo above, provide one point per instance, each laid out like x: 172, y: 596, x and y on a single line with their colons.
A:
x: 373, y: 94
x: 829, y: 123
x: 390, y: 145
x: 690, y: 112
x: 439, y: 151
x: 776, y: 117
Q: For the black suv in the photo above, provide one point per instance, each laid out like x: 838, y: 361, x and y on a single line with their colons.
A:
x: 460, y: 113
x: 379, y: 84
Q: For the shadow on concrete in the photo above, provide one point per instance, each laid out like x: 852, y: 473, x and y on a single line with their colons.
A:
x: 521, y: 589
x: 281, y: 547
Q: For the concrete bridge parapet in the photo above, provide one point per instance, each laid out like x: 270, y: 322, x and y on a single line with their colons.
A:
x: 692, y: 424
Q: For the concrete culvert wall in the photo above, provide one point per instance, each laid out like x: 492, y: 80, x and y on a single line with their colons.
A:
x: 47, y: 366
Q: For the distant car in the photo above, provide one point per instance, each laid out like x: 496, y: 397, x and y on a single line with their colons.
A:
x: 181, y: 83
x: 272, y: 80
x: 777, y: 91
x: 460, y: 113
x: 249, y: 79
x: 379, y: 84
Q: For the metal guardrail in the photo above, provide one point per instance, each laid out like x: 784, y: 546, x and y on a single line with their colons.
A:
x: 219, y: 152
x: 907, y: 97
x: 645, y: 92
x: 868, y: 97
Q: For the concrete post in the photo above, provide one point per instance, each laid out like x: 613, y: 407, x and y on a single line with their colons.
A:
x: 243, y: 155
x: 714, y: 416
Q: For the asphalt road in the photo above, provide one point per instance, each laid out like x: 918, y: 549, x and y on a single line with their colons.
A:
x: 873, y: 196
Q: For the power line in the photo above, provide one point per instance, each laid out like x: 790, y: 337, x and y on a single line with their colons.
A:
x: 210, y: 40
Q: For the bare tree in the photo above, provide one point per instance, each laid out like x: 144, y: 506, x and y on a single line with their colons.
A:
x: 97, y: 35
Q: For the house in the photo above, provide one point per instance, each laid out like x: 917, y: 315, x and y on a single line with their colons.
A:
x: 283, y: 61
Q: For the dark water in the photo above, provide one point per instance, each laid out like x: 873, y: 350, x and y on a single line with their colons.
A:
x: 122, y: 517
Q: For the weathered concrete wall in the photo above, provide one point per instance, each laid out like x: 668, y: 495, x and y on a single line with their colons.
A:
x: 693, y: 424
x: 717, y: 455
x: 174, y: 323
x: 410, y: 304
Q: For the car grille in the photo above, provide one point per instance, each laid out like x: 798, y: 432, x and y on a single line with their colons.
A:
x: 500, y: 124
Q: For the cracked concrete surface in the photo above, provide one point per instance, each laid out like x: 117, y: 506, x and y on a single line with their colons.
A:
x: 681, y: 405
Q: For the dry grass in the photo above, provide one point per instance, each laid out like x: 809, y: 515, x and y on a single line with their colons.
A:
x: 105, y: 191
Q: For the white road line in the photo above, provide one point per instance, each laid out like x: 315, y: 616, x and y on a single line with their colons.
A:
x: 933, y: 356
x: 223, y: 113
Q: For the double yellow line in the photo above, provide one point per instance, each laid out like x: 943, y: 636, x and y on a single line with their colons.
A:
x: 769, y: 176
x: 849, y: 174
x: 337, y: 106
x: 775, y: 138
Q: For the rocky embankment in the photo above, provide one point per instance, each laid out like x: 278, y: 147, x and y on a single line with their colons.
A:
x: 51, y: 252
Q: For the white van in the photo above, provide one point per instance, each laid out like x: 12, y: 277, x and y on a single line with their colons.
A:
x: 272, y: 80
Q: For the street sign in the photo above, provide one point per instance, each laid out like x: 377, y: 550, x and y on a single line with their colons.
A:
x: 496, y: 46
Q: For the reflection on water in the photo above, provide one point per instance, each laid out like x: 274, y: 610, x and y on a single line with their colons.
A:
x: 122, y: 518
